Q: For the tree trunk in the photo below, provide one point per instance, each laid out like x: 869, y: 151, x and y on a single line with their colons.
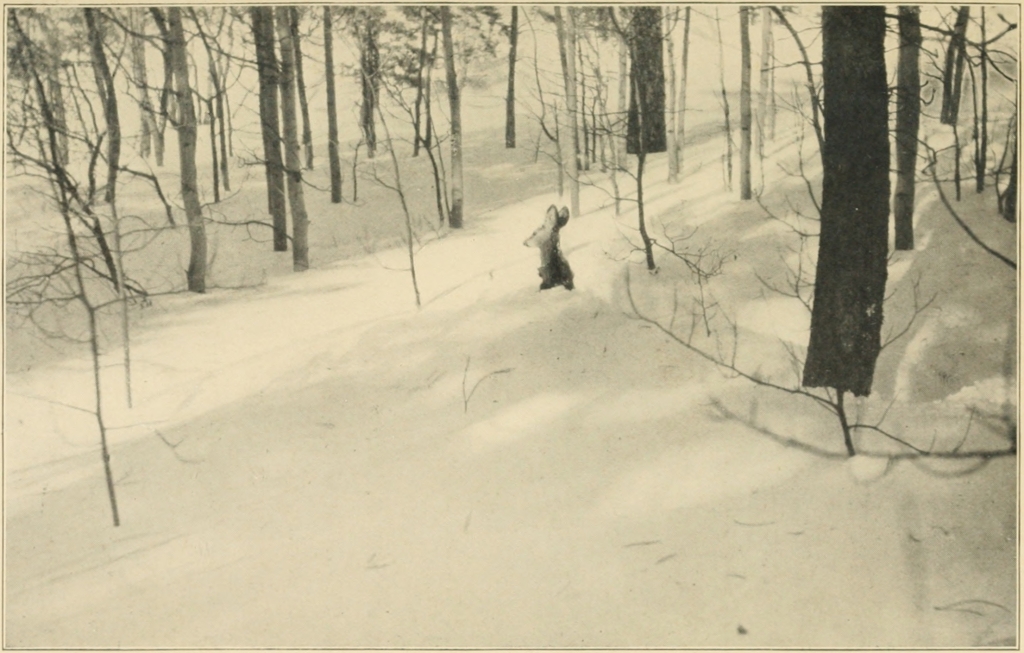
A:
x: 647, y: 76
x: 567, y: 54
x: 953, y: 75
x: 333, y: 153
x: 908, y: 114
x: 851, y: 272
x: 725, y: 103
x: 1008, y: 204
x: 369, y: 66
x: 764, y: 84
x: 266, y: 64
x: 166, y: 92
x: 220, y: 101
x: 108, y: 97
x: 745, y: 117
x: 673, y: 119
x: 300, y: 81
x: 455, y: 213
x: 581, y: 84
x: 137, y: 51
x: 510, y: 98
x: 681, y: 122
x: 420, y: 91
x: 292, y: 159
x: 213, y: 152
x: 981, y: 162
x: 186, y: 127
x: 621, y: 121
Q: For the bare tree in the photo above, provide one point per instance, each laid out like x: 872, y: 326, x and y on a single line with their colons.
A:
x: 908, y: 113
x: 266, y: 64
x: 333, y: 154
x: 454, y: 101
x: 745, y: 117
x: 292, y: 161
x: 566, y: 32
x: 510, y: 97
x: 851, y: 271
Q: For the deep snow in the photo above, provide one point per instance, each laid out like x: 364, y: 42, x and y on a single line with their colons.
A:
x: 328, y: 486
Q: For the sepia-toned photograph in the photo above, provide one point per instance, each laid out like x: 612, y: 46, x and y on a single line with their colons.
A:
x: 510, y: 326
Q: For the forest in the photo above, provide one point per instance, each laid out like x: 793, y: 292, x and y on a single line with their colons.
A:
x: 281, y: 369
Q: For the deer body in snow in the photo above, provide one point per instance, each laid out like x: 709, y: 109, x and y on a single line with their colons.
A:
x: 554, y: 269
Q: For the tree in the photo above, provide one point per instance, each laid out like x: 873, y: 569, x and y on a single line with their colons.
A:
x: 681, y: 109
x: 273, y: 164
x: 846, y: 319
x: 108, y: 98
x: 300, y: 84
x: 333, y: 154
x: 745, y: 117
x: 566, y: 32
x: 673, y: 118
x: 369, y: 68
x: 510, y: 98
x: 981, y: 126
x: 290, y: 134
x: 725, y: 103
x: 186, y: 128
x: 137, y: 52
x: 908, y: 113
x: 455, y: 214
x: 765, y: 121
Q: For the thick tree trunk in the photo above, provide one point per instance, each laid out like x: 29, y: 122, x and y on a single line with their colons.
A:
x: 647, y: 75
x: 565, y: 27
x: 908, y: 115
x: 745, y: 117
x: 292, y: 159
x: 266, y: 64
x: 186, y: 126
x: 333, y: 147
x: 455, y: 213
x: 108, y: 96
x: 300, y: 81
x: 850, y: 280
x: 510, y: 97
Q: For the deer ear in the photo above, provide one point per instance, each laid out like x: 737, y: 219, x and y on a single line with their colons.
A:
x: 563, y: 216
x: 552, y: 214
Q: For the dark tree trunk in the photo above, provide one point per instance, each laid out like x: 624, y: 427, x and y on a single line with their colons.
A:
x: 981, y: 161
x: 850, y: 280
x: 266, y: 63
x: 108, y: 96
x: 300, y: 81
x: 745, y: 116
x: 510, y: 97
x: 672, y: 128
x: 908, y: 115
x: 455, y: 214
x: 369, y: 59
x: 333, y: 147
x: 647, y: 92
x: 290, y: 133
x: 186, y: 126
x: 953, y: 75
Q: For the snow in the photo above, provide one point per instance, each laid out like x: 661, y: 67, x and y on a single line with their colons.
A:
x: 323, y: 478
